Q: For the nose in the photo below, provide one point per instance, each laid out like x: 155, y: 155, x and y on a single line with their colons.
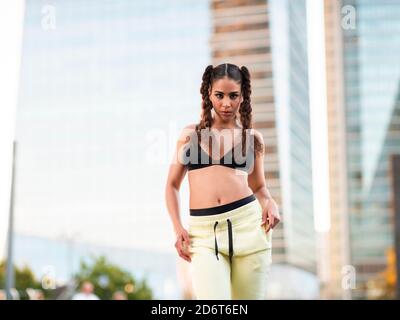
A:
x: 226, y: 103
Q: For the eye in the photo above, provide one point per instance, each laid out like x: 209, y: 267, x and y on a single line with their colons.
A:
x: 218, y: 95
x: 234, y: 96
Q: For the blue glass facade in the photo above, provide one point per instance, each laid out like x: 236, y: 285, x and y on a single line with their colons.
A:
x: 372, y: 74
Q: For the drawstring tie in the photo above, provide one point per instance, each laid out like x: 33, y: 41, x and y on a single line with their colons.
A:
x: 215, y: 238
x: 230, y: 240
x: 230, y: 237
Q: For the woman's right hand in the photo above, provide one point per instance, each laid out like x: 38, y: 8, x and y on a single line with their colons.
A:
x: 182, y: 243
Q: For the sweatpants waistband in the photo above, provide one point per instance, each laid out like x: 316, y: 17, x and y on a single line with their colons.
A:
x: 245, y: 214
x: 224, y: 208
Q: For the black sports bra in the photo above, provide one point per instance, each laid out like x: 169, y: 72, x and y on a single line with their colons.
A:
x: 197, y: 158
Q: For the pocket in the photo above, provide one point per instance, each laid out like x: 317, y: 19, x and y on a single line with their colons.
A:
x: 267, y: 237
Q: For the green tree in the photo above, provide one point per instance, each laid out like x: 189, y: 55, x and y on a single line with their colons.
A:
x: 108, y: 278
x: 24, y: 279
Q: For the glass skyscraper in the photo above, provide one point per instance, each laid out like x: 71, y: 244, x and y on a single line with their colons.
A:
x: 371, y: 72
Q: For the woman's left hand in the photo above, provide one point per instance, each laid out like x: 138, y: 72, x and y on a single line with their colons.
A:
x: 270, y: 217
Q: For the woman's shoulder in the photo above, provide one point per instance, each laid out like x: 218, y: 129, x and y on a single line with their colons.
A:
x: 259, y: 145
x: 258, y: 135
x: 188, y: 132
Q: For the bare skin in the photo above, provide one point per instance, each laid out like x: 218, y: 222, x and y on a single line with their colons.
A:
x: 217, y: 185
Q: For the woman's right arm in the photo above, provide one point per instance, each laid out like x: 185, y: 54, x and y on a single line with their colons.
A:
x: 176, y: 174
x: 175, y: 177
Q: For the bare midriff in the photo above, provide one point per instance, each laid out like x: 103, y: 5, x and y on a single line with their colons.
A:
x: 216, y: 185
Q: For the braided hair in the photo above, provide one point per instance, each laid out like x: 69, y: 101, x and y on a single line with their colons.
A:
x: 241, y: 76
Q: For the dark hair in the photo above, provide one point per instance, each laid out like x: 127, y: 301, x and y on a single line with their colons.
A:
x: 241, y: 76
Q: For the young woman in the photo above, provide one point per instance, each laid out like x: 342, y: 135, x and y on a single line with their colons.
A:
x: 232, y: 214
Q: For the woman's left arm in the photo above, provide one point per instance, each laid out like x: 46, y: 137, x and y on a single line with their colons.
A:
x: 256, y: 181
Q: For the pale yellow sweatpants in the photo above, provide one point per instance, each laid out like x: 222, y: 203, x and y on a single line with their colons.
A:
x: 235, y: 234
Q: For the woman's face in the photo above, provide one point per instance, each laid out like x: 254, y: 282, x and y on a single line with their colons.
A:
x: 226, y: 98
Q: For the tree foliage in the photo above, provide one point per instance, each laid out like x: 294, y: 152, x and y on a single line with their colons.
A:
x: 107, y: 278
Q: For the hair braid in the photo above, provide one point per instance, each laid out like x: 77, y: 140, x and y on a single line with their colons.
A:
x: 245, y: 111
x: 206, y: 117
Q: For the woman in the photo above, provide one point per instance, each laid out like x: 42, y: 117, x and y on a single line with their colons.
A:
x: 232, y: 214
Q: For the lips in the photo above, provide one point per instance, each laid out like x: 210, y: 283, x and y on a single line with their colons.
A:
x: 226, y: 113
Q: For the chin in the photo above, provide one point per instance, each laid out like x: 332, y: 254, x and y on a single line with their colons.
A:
x: 225, y: 119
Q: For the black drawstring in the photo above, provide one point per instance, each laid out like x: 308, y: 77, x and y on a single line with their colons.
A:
x: 230, y: 240
x: 215, y: 237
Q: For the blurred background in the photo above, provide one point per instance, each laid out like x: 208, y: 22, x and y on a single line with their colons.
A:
x: 104, y: 89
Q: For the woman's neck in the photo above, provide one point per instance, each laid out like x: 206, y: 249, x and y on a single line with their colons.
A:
x: 218, y: 124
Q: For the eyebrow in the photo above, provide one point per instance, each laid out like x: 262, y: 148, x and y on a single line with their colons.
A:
x: 222, y: 92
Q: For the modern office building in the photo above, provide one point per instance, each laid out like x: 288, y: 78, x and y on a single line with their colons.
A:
x: 337, y: 254
x: 363, y: 110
